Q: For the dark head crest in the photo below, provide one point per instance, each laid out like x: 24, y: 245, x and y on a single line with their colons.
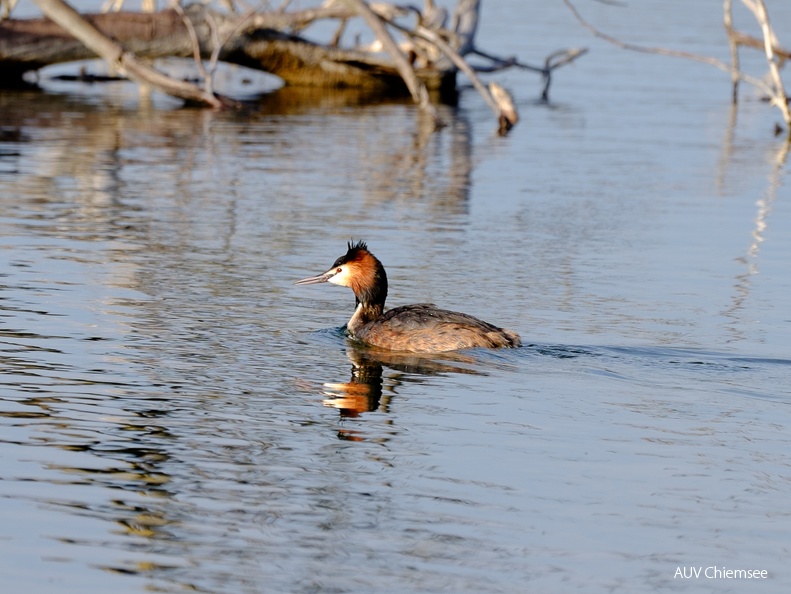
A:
x: 355, y: 251
x: 360, y: 245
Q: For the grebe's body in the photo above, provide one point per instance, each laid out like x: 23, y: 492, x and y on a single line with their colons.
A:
x: 418, y: 328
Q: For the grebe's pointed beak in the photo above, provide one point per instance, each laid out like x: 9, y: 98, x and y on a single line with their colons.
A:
x: 312, y: 280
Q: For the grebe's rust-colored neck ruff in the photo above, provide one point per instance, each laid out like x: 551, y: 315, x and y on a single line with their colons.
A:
x: 414, y: 328
x: 368, y: 281
x: 360, y: 270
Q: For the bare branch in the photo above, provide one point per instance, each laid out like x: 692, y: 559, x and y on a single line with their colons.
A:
x: 196, y: 51
x: 779, y: 97
x: 504, y: 113
x: 465, y: 24
x: 214, y: 29
x: 266, y: 41
x: 503, y: 63
x: 733, y: 44
x: 669, y: 52
x: 416, y: 88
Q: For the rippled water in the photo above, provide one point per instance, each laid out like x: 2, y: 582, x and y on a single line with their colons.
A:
x: 176, y: 415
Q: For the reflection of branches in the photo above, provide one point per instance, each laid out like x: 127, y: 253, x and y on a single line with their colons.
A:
x: 776, y: 93
x: 750, y: 259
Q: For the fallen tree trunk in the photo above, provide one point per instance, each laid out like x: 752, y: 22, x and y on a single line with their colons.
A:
x: 427, y: 58
x: 27, y: 45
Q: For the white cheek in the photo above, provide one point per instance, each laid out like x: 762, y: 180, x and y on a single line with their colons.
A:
x: 343, y: 278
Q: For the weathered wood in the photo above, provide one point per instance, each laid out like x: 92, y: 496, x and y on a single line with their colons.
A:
x: 262, y: 41
x: 27, y: 45
x: 34, y: 43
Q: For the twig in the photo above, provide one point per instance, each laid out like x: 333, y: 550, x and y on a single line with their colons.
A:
x: 505, y: 112
x: 336, y: 38
x: 465, y: 24
x: 7, y: 7
x: 196, y: 52
x: 551, y: 62
x: 502, y: 63
x: 459, y: 62
x: 563, y: 57
x: 556, y: 60
x: 215, y: 52
x: 207, y: 74
x: 507, y: 116
x: 497, y: 98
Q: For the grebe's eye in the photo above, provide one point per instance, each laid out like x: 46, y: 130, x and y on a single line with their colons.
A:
x: 339, y: 270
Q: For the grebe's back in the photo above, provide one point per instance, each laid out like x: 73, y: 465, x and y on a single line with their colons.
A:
x: 421, y: 327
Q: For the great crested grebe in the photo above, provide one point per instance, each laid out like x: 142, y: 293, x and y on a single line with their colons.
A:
x: 418, y: 328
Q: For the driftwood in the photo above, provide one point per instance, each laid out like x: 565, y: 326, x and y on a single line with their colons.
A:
x: 426, y: 60
x: 261, y: 44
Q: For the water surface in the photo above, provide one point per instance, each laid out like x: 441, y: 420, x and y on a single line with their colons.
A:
x: 176, y: 415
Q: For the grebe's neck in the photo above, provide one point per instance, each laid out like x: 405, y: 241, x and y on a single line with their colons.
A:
x: 364, y: 313
x: 370, y: 293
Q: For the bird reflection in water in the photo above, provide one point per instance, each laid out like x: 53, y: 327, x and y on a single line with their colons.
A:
x: 366, y: 390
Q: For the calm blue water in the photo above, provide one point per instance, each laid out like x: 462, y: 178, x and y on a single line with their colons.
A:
x: 176, y: 415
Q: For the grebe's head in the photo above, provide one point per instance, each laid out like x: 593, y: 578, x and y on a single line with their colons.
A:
x: 358, y: 269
